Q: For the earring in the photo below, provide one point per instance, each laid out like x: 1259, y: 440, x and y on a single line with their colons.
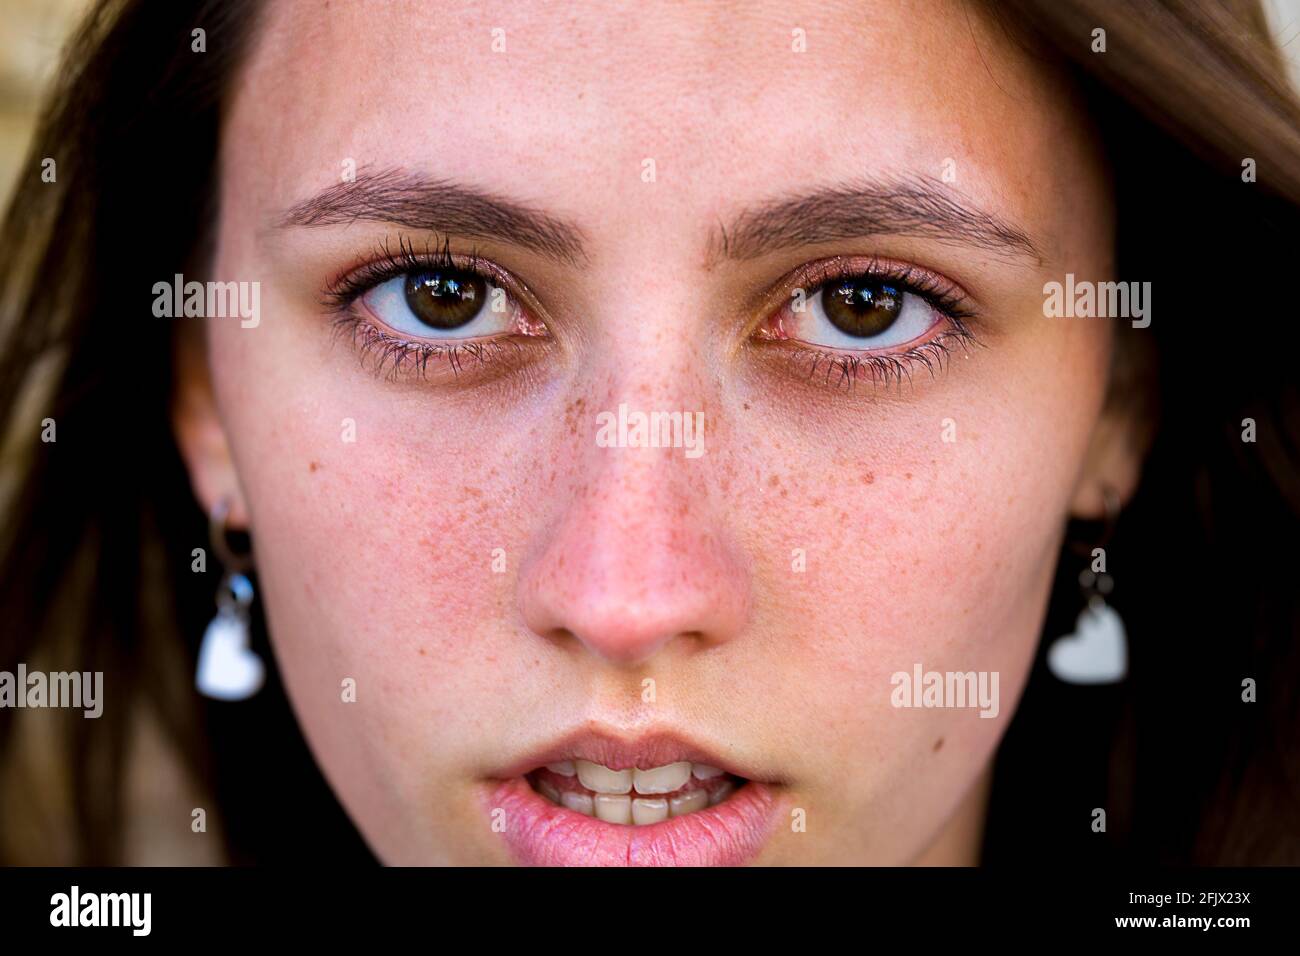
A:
x: 1097, y: 650
x: 228, y: 668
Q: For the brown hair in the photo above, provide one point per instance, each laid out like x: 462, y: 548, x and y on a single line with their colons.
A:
x: 99, y: 525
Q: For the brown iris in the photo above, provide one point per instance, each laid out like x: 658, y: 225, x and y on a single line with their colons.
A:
x: 445, y: 298
x: 862, y: 307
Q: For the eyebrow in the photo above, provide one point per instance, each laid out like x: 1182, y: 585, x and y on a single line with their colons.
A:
x: 419, y: 202
x: 855, y: 210
x: 865, y: 208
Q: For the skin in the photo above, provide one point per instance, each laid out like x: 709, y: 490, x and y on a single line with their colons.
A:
x: 375, y: 555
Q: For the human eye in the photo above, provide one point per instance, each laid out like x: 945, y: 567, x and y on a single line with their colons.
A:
x: 849, y: 318
x: 413, y: 312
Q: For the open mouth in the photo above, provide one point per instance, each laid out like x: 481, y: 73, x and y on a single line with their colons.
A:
x: 634, y: 797
x: 602, y: 800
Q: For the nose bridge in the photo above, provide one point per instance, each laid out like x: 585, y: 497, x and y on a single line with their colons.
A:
x: 639, y: 555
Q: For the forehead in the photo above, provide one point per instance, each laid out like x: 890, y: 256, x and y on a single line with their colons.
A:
x: 567, y: 104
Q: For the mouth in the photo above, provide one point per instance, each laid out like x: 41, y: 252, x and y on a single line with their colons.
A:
x: 597, y: 802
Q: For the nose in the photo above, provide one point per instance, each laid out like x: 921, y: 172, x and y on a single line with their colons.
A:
x: 638, y: 559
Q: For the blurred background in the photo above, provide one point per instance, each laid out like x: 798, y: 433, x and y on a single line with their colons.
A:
x: 30, y: 40
x: 34, y: 31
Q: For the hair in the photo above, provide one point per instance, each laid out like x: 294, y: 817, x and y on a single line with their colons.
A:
x: 95, y: 557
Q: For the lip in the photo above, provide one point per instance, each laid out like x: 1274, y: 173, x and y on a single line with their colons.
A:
x: 540, y: 833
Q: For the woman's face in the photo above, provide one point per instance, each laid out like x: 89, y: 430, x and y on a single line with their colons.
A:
x: 819, y: 232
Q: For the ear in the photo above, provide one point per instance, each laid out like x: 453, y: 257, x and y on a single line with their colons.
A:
x: 1114, y: 460
x: 199, y: 432
x: 1124, y: 429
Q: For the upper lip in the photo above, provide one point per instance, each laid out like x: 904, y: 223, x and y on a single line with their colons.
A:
x: 624, y: 752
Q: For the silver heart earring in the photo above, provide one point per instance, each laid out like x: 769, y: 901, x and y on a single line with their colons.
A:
x: 1097, y: 651
x: 228, y: 668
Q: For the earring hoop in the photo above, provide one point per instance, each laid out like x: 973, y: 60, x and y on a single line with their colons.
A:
x: 218, y: 536
x: 1112, y: 505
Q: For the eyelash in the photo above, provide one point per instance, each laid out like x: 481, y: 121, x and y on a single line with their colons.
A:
x: 392, y: 354
x: 845, y: 368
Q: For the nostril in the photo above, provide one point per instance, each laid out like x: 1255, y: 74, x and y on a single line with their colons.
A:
x: 561, y: 635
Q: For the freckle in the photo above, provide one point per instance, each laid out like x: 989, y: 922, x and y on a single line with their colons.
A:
x: 784, y: 492
x: 908, y: 476
x: 818, y: 502
x: 746, y: 406
x: 868, y: 478
x: 774, y: 481
x: 472, y: 491
x: 937, y: 744
x: 422, y: 654
x: 315, y: 465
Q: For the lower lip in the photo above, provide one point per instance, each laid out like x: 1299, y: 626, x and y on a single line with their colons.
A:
x: 540, y: 833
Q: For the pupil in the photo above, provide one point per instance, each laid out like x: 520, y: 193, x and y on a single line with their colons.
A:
x: 862, y: 307
x: 445, y: 299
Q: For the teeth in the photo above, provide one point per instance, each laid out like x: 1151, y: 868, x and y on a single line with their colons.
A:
x: 603, y: 780
x: 548, y: 791
x: 661, y: 779
x: 578, y: 802
x: 612, y: 798
x: 613, y: 808
x: 654, y: 810
x: 686, y: 803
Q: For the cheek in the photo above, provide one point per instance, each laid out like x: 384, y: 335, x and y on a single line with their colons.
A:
x: 377, y: 519
x: 932, y: 517
x: 932, y: 529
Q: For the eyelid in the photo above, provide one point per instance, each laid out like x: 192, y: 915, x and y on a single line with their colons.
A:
x: 887, y: 366
x: 393, y: 354
x: 384, y: 263
x: 942, y: 293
